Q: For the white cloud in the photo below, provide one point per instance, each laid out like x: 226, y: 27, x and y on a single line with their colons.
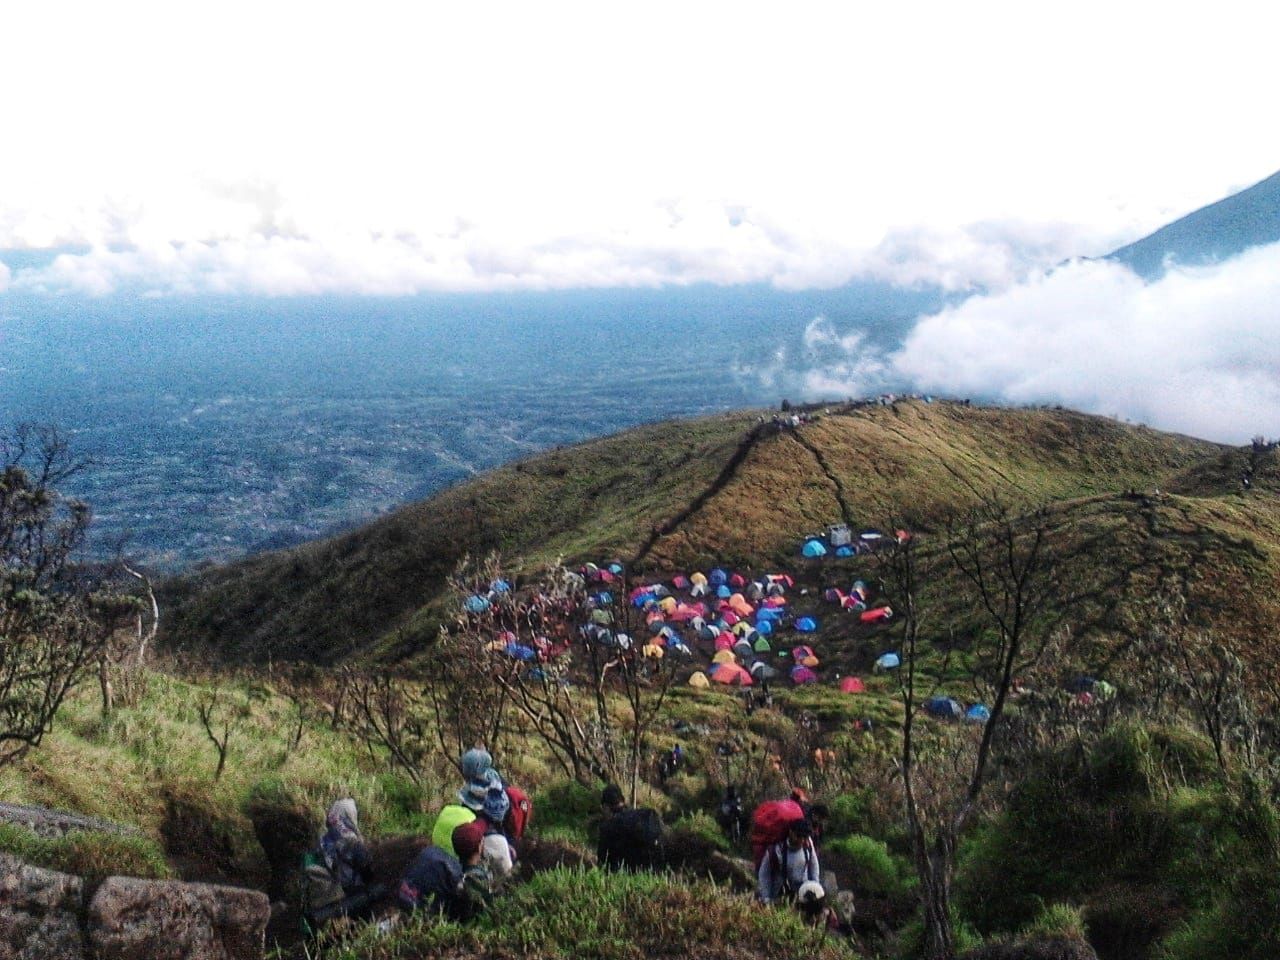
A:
x: 1197, y: 351
x: 384, y: 145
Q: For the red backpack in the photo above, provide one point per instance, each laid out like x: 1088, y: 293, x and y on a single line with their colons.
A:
x: 521, y: 812
x: 769, y: 825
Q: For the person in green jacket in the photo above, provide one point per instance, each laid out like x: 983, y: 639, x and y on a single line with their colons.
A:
x: 469, y: 805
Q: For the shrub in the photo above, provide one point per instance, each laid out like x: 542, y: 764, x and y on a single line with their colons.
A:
x: 565, y: 804
x: 875, y: 869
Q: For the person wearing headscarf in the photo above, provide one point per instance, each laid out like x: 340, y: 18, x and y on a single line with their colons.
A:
x: 338, y: 876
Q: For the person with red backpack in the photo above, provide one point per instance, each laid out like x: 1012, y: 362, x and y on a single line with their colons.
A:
x: 788, y: 865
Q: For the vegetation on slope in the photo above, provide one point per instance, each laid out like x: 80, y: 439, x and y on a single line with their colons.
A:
x: 725, y: 489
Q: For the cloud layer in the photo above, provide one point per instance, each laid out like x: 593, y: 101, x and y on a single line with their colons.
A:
x: 1196, y: 352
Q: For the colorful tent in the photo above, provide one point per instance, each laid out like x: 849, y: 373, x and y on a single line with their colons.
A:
x: 845, y: 551
x: 698, y: 579
x: 699, y: 680
x: 518, y: 651
x: 680, y: 581
x: 476, y: 603
x: 888, y: 661
x: 731, y: 673
x: 652, y: 650
x: 615, y: 568
x: 944, y: 708
x: 738, y: 603
x: 761, y: 645
x: 764, y: 626
x: 802, y: 651
x: 852, y: 685
x: 762, y: 671
x: 806, y: 625
x: 737, y: 581
x: 977, y: 714
x: 668, y: 605
x: 718, y: 578
x: 801, y: 674
x: 500, y: 586
x: 813, y: 548
x: 724, y: 641
x: 878, y: 615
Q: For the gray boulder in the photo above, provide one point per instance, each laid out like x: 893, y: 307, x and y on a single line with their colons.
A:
x: 131, y: 919
x: 39, y: 913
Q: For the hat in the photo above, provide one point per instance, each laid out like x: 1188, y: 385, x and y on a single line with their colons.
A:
x: 472, y: 796
x: 612, y: 796
x: 496, y: 805
x: 475, y: 762
x: 467, y: 839
x: 810, y: 892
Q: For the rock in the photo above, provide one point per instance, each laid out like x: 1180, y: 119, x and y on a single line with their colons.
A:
x: 39, y: 913
x: 131, y: 919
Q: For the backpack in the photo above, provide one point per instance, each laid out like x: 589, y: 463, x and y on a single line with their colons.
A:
x: 521, y: 812
x: 630, y: 838
x: 769, y: 825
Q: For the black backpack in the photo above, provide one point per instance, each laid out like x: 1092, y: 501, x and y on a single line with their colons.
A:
x: 631, y: 839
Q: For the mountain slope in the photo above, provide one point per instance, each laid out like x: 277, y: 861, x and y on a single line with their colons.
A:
x: 733, y: 489
x: 1221, y: 230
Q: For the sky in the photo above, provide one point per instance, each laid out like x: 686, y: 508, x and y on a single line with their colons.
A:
x: 388, y: 148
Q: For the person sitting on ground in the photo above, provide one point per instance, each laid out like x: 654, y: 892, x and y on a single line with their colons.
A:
x: 338, y: 871
x: 469, y: 805
x: 669, y: 764
x: 630, y: 839
x: 457, y: 888
x: 499, y: 857
x: 787, y: 865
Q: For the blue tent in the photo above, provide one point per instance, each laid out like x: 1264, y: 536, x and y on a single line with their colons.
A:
x: 888, y: 661
x: 500, y: 586
x: 723, y: 592
x: 764, y: 626
x: 977, y: 714
x: 615, y: 569
x: 845, y: 551
x: 944, y: 708
x: 518, y: 651
x: 642, y: 599
x: 476, y: 603
x: 806, y: 625
x: 717, y: 577
x: 766, y: 614
x: 813, y: 548
x: 603, y: 597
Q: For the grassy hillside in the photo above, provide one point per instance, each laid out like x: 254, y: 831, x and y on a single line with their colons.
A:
x: 724, y: 489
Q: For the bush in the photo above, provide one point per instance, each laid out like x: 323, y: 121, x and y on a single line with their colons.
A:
x: 566, y: 805
x: 85, y: 854
x: 875, y: 870
x: 850, y: 814
x: 1058, y: 920
x: 703, y: 826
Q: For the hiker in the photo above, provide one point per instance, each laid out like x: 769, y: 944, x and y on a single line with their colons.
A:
x: 787, y: 865
x: 731, y: 816
x: 499, y: 856
x: 338, y: 871
x: 469, y: 805
x: 669, y: 764
x: 458, y: 888
x: 630, y: 838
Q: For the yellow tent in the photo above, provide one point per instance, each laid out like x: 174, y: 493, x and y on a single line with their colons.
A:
x: 724, y: 656
x: 653, y: 650
x: 699, y: 680
x: 668, y: 604
x: 698, y: 578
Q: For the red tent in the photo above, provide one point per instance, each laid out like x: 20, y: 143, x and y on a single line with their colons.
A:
x: 731, y: 673
x: 878, y: 615
x: 852, y: 685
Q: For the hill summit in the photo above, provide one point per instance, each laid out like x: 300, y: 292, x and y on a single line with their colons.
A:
x: 740, y: 489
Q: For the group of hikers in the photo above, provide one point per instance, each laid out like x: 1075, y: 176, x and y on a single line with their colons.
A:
x: 475, y: 843
x: 473, y: 850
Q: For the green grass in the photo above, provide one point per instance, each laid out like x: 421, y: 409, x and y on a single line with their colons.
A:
x: 90, y: 855
x: 570, y: 914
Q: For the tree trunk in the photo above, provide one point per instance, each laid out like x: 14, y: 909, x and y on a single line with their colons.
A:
x: 938, y: 939
x: 108, y: 691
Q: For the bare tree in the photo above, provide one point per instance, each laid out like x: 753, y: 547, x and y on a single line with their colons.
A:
x: 220, y: 720
x: 569, y: 662
x: 50, y: 632
x: 1004, y: 559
